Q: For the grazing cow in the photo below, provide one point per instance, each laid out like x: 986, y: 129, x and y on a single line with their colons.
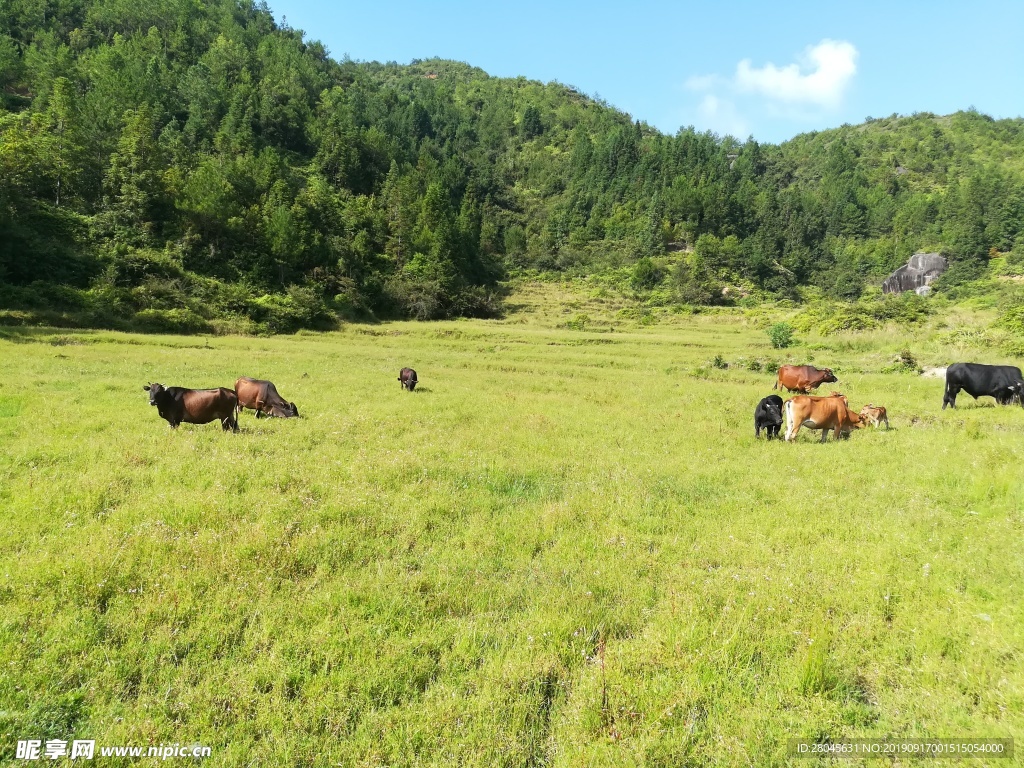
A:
x: 194, y: 406
x: 768, y: 416
x: 874, y: 415
x: 803, y: 378
x: 1003, y: 382
x: 263, y: 398
x: 408, y: 378
x: 822, y: 413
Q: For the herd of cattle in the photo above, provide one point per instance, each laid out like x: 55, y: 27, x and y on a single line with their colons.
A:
x: 1005, y: 383
x: 179, y: 405
x: 1002, y: 382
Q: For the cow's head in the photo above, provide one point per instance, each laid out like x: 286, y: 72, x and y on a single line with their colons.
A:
x: 154, y: 392
x: 774, y: 413
x: 1014, y: 392
x: 868, y: 414
x: 827, y: 376
x: 284, y: 411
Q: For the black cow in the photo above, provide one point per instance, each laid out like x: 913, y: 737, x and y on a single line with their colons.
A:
x: 408, y: 378
x: 194, y: 406
x: 1003, y: 382
x: 768, y: 416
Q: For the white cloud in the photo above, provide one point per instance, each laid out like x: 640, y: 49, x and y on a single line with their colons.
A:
x: 821, y: 77
x: 795, y: 94
x: 721, y: 116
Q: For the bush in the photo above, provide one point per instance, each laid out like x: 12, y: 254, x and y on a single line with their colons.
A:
x: 905, y: 362
x: 133, y: 267
x: 301, y: 307
x: 418, y: 299
x: 170, y: 321
x: 646, y: 275
x: 578, y: 323
x: 40, y: 295
x: 969, y: 337
x: 831, y: 318
x: 781, y: 335
x: 1012, y: 319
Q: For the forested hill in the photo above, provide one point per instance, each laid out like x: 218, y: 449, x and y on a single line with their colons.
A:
x: 173, y: 163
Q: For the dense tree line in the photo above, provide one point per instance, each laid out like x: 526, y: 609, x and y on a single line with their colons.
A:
x: 174, y: 162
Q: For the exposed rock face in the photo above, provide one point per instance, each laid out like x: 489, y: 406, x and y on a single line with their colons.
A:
x: 916, y: 275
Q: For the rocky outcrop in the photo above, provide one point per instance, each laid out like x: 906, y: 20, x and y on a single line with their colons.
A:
x: 916, y: 275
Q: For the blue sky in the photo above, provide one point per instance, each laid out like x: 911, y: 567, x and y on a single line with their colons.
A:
x: 767, y: 69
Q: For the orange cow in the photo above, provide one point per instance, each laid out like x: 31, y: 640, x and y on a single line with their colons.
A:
x: 874, y: 415
x: 824, y: 413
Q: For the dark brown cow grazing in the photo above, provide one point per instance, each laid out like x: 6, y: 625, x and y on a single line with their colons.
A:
x: 803, y: 378
x: 874, y: 415
x: 194, y: 406
x: 408, y: 378
x: 263, y: 398
x: 822, y: 413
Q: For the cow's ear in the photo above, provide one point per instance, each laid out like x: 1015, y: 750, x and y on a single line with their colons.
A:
x: 146, y: 388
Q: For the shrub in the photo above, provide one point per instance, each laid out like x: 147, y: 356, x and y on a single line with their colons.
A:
x: 905, y: 362
x: 646, y: 275
x: 301, y: 307
x: 478, y: 301
x: 969, y: 337
x: 170, y: 321
x: 1012, y: 319
x: 831, y: 318
x: 578, y: 322
x: 719, y: 362
x: 781, y: 335
x: 42, y: 295
x: 133, y: 267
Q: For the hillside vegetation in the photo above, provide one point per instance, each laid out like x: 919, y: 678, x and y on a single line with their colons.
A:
x: 191, y: 166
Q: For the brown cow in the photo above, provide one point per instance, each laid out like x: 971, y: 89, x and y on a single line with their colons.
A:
x: 263, y: 398
x: 874, y: 415
x: 407, y: 376
x: 803, y: 378
x: 194, y: 406
x: 822, y: 413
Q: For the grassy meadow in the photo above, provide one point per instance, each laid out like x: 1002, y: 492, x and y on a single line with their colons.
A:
x: 566, y: 548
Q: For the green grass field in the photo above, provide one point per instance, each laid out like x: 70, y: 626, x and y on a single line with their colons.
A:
x: 565, y: 548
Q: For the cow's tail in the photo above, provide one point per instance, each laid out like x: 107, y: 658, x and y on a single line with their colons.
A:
x: 776, y: 384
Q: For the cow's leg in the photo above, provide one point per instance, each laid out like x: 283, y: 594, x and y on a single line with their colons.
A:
x: 950, y: 396
x: 792, y: 427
